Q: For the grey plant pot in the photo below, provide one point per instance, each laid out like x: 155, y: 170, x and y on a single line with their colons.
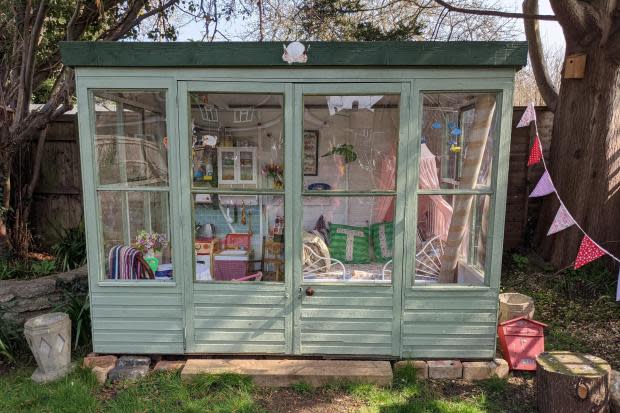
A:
x: 49, y: 338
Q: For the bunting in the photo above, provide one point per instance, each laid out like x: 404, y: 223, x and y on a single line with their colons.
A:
x: 588, y: 250
x: 528, y: 117
x: 562, y: 220
x: 543, y: 187
x: 536, y: 154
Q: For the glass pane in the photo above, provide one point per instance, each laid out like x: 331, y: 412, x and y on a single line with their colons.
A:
x: 237, y: 140
x: 348, y: 239
x: 239, y: 238
x: 350, y: 142
x: 451, y: 239
x: 136, y: 234
x: 458, y: 133
x: 130, y: 137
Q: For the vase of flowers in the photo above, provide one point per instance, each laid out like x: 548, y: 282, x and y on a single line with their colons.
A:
x: 150, y: 244
x: 275, y: 172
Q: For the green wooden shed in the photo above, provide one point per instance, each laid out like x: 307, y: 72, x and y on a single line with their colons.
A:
x: 320, y: 198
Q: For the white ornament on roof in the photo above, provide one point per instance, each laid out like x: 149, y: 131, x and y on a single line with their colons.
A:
x: 295, y: 52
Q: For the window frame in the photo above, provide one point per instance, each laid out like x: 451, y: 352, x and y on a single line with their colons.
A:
x: 348, y: 88
x: 86, y: 87
x: 502, y: 88
x: 189, y: 191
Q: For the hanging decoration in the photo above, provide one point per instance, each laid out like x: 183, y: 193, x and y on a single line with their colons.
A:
x: 536, y: 152
x: 588, y: 250
x: 562, y: 220
x: 436, y: 125
x: 543, y: 187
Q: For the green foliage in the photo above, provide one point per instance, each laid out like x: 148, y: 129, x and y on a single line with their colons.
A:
x: 77, y: 306
x: 344, y: 150
x: 13, y: 345
x: 302, y: 388
x: 70, y: 251
x: 521, y: 262
x: 40, y: 268
x: 18, y: 269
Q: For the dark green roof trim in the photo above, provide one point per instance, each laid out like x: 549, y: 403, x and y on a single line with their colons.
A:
x: 244, y: 54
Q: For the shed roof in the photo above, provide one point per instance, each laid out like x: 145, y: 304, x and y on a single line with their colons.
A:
x: 269, y: 54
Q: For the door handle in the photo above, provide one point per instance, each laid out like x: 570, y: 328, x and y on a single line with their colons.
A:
x: 309, y: 291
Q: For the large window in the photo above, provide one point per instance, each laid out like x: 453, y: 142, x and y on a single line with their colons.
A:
x: 131, y: 147
x: 456, y: 153
x: 350, y: 150
x: 237, y: 170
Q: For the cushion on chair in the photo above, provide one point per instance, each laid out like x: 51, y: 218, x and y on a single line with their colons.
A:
x: 382, y: 235
x: 349, y: 244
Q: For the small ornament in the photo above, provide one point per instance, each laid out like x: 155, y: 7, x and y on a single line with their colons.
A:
x: 295, y: 52
x: 211, y: 140
x: 424, y: 140
x: 456, y: 132
x: 436, y: 125
x: 165, y: 142
x: 455, y: 149
x: 452, y: 142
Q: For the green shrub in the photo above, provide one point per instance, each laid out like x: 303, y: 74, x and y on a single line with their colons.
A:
x: 40, y: 268
x: 70, y: 251
x: 77, y: 306
x: 13, y: 344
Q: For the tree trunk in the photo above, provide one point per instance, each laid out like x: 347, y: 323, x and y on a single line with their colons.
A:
x: 5, y: 204
x: 572, y: 382
x: 585, y: 161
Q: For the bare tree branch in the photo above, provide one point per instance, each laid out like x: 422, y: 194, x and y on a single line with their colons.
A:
x: 579, y: 20
x: 496, y: 13
x: 537, y: 58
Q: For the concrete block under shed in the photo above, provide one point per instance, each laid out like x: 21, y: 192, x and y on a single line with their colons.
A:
x: 420, y: 366
x: 130, y: 368
x: 501, y: 368
x: 478, y: 370
x: 169, y: 365
x: 100, y: 365
x: 445, y: 369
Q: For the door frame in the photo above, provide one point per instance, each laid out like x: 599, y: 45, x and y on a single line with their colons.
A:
x: 404, y: 89
x: 185, y: 87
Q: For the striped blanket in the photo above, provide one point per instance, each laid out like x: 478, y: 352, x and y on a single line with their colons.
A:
x: 126, y: 263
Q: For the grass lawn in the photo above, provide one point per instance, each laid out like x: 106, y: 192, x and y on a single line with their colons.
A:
x: 166, y: 392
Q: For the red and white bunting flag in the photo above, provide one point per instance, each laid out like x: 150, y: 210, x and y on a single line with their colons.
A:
x: 544, y: 186
x: 588, y: 252
x: 562, y: 220
x: 535, y: 153
x: 528, y: 116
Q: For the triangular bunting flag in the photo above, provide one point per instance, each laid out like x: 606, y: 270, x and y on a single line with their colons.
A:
x: 535, y: 153
x: 528, y: 116
x: 588, y: 252
x: 562, y: 220
x: 618, y: 289
x: 543, y: 187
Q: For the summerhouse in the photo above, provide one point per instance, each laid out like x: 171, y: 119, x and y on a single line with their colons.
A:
x: 336, y: 199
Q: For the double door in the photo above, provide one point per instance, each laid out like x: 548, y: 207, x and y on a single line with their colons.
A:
x: 326, y: 210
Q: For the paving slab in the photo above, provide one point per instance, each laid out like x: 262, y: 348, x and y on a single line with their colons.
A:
x: 284, y: 373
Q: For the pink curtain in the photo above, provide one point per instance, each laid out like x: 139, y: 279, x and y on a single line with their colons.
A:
x: 438, y: 210
x: 384, y: 210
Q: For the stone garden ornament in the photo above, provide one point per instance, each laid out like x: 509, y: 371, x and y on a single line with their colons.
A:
x: 295, y: 52
x: 49, y: 338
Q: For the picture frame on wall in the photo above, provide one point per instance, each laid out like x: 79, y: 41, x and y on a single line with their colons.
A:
x: 311, y: 152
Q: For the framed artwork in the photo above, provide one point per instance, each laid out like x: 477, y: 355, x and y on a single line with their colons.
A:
x: 311, y: 152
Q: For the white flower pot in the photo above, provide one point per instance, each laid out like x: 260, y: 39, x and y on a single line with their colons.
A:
x: 49, y: 338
